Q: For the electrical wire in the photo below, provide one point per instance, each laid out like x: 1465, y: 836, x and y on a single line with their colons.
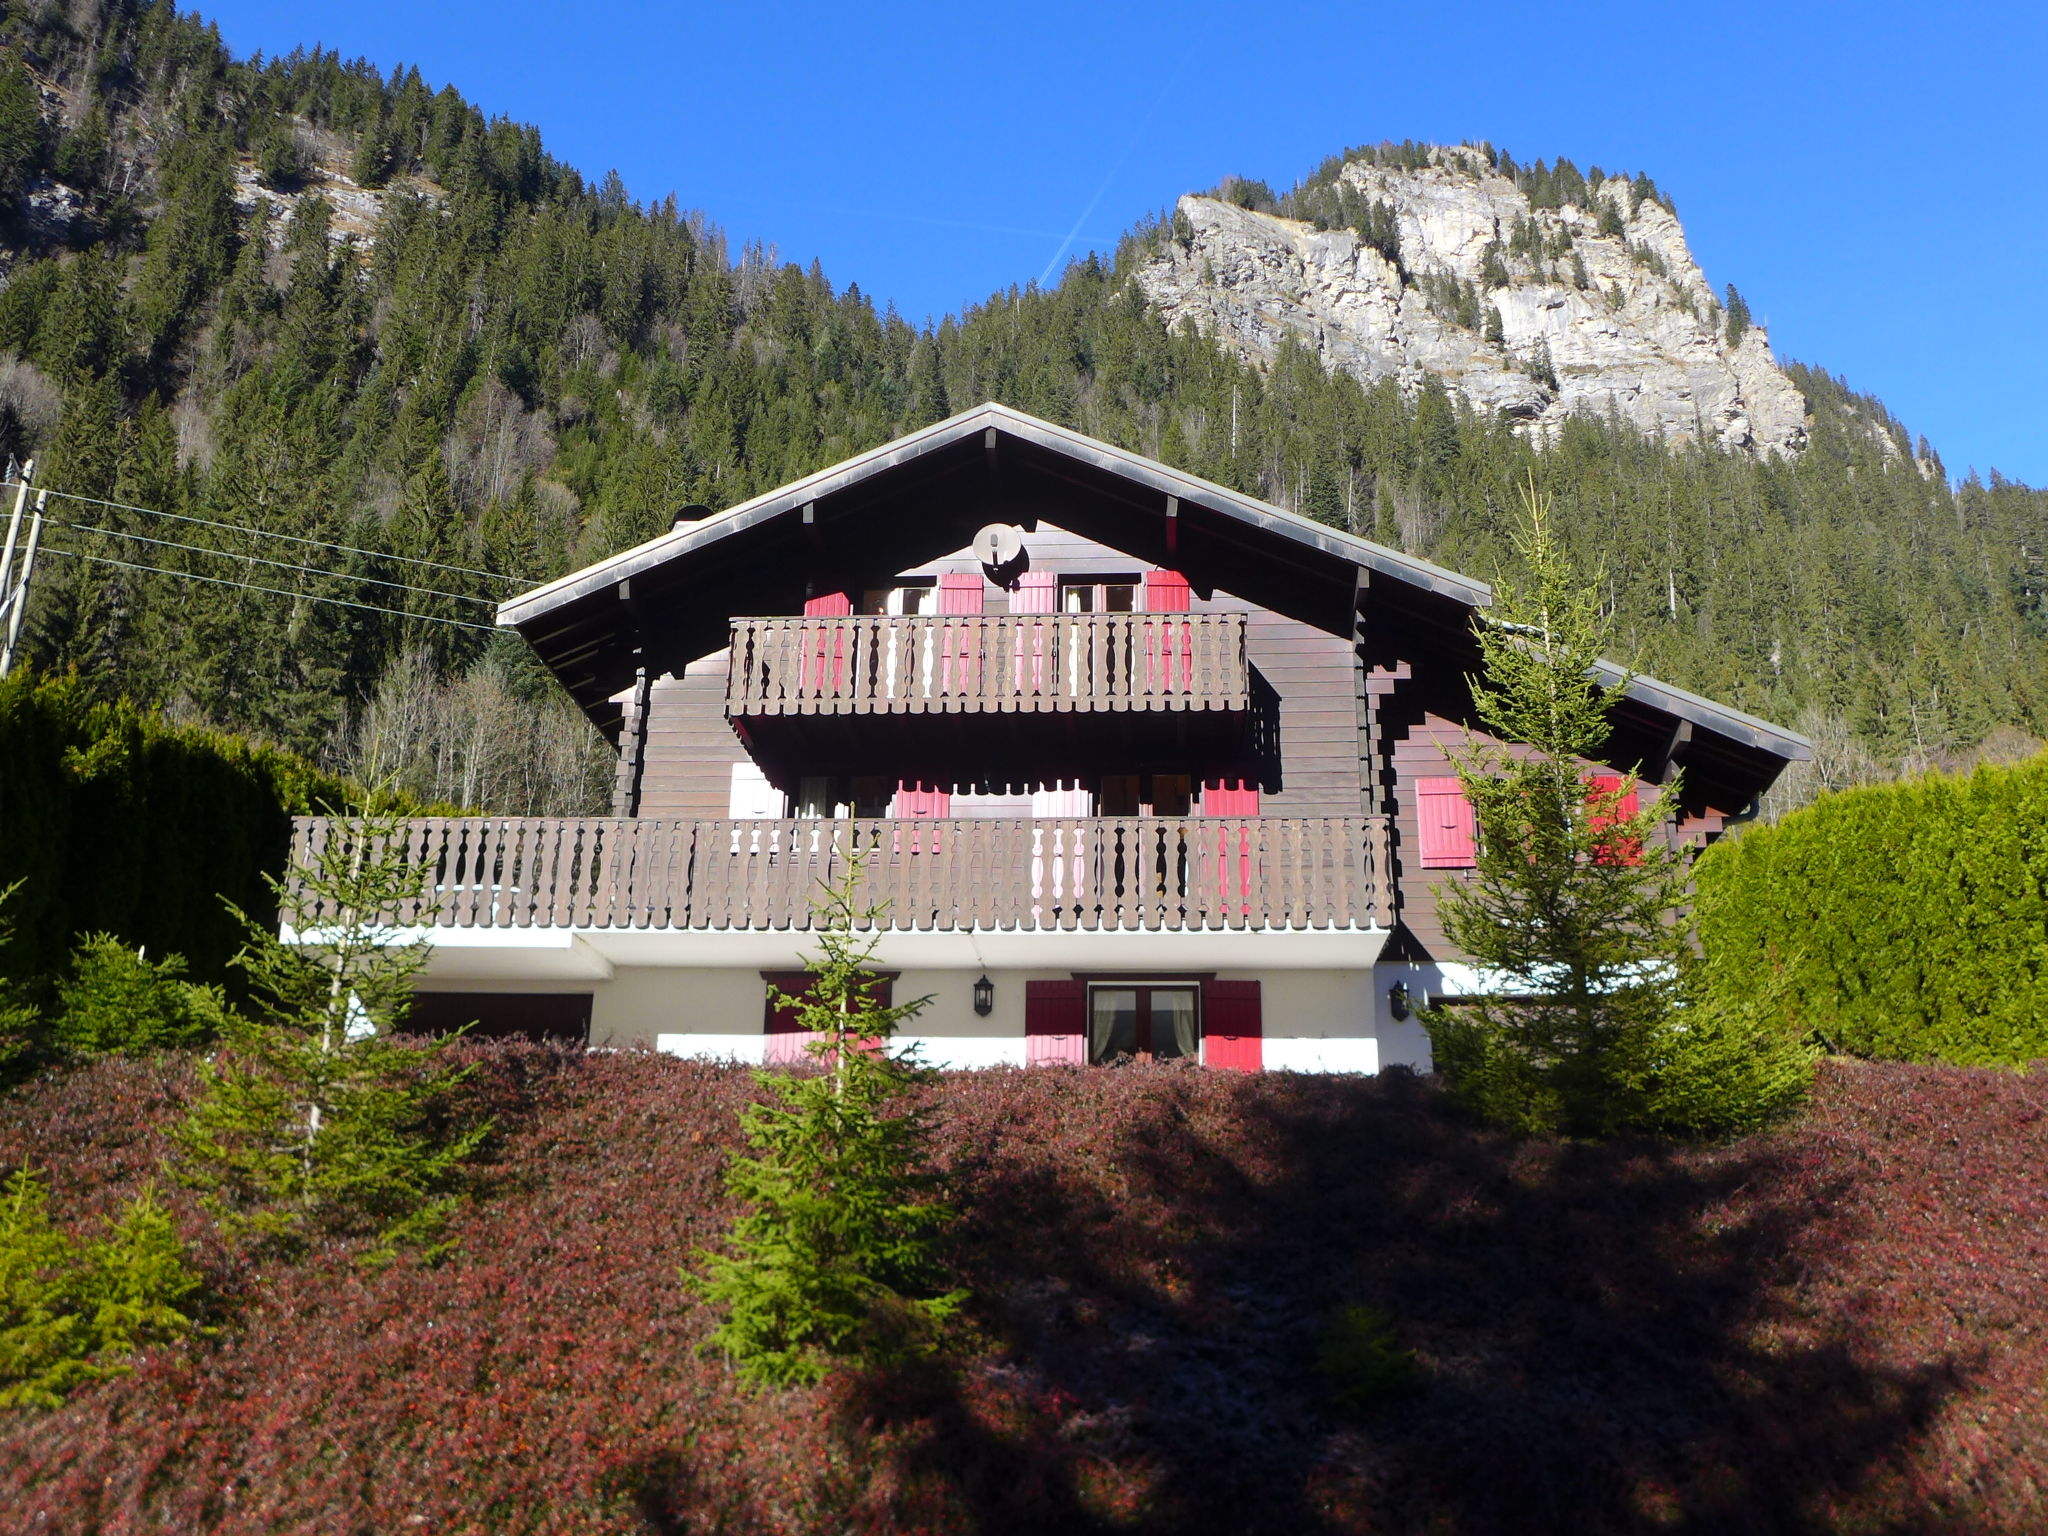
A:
x: 307, y: 597
x: 290, y: 538
x: 308, y: 570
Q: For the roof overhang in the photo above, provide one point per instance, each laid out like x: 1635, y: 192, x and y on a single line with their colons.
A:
x: 670, y: 600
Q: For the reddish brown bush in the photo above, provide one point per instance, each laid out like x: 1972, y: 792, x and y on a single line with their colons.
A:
x: 1836, y: 1327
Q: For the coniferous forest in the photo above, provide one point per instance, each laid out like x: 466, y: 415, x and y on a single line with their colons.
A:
x: 293, y: 294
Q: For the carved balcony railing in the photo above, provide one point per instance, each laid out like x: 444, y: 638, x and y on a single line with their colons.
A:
x: 1023, y: 662
x: 1091, y: 873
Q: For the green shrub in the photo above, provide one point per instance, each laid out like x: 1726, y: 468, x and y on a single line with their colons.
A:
x: 116, y: 1002
x: 1362, y: 1361
x: 72, y: 1312
x: 1903, y: 922
x: 113, y: 820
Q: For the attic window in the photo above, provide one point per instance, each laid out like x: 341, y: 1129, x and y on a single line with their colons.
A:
x: 1119, y: 594
x: 911, y: 597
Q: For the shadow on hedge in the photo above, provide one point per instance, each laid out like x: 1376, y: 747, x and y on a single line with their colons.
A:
x: 1601, y: 1332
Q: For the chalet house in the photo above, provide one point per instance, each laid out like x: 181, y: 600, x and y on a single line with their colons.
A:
x: 1137, y: 765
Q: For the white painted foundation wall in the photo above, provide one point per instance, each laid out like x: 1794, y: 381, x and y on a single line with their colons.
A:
x: 1334, y: 1020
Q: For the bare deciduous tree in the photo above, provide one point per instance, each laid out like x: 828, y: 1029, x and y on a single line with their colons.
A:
x: 476, y: 741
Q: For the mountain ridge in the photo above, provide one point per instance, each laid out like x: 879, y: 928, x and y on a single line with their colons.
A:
x: 1533, y: 304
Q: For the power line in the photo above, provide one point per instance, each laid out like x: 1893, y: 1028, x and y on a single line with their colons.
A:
x: 293, y: 538
x: 309, y: 570
x: 307, y: 597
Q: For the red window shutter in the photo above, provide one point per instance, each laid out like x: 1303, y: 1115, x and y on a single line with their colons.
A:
x: 1444, y: 818
x: 1628, y: 850
x: 1037, y: 592
x: 1166, y: 592
x: 960, y: 592
x: 1232, y: 1031
x: 1169, y: 647
x: 1229, y: 797
x: 822, y: 662
x: 1055, y: 1023
x: 786, y: 1036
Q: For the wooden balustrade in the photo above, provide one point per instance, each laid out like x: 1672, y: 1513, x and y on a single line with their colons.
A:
x: 941, y: 663
x: 1093, y: 873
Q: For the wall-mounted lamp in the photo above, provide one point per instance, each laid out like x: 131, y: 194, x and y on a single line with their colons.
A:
x: 984, y: 996
x: 1397, y: 1001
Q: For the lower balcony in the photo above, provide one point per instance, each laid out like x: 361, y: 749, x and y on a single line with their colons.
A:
x: 1092, y: 874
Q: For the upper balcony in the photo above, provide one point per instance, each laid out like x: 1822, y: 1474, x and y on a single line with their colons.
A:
x: 1002, y: 663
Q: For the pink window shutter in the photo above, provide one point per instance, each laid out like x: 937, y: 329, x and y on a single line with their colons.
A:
x: 1037, y: 592
x: 1449, y: 833
x: 960, y: 592
x: 959, y: 648
x: 828, y: 605
x: 1233, y: 1034
x: 917, y: 801
x: 1055, y: 1023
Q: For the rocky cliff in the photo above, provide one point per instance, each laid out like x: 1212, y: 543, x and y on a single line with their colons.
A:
x: 1533, y: 306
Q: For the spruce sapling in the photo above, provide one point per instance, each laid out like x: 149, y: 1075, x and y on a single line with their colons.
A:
x: 1575, y: 905
x: 837, y: 1257
x: 314, y: 1116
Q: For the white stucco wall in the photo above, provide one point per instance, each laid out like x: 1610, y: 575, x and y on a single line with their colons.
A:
x: 1315, y: 1020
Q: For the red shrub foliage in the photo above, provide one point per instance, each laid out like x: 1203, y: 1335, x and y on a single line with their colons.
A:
x: 1838, y: 1327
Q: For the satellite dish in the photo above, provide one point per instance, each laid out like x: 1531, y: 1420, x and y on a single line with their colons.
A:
x: 998, y: 544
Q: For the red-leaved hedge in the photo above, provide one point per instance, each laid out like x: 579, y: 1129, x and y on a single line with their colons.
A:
x: 1837, y: 1327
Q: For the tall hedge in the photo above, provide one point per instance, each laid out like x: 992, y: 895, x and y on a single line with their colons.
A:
x: 1906, y: 922
x: 115, y: 820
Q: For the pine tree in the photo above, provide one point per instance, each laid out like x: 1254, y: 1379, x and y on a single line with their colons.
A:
x: 836, y: 1260
x: 314, y: 1117
x: 1574, y: 907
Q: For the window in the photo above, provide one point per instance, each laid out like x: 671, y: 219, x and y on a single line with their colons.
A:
x: 1119, y: 594
x: 786, y: 1035
x: 1151, y: 794
x: 817, y: 796
x: 1143, y: 1023
x: 753, y: 798
x: 911, y: 598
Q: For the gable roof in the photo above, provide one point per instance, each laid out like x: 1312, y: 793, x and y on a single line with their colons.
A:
x: 671, y: 599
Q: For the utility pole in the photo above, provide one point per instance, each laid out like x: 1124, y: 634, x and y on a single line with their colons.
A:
x: 14, y: 530
x: 16, y: 602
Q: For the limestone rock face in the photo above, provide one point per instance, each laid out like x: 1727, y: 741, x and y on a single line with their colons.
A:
x: 1644, y: 337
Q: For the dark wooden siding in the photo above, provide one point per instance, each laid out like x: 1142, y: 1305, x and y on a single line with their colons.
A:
x: 690, y: 745
x: 1313, y: 771
x: 1425, y: 750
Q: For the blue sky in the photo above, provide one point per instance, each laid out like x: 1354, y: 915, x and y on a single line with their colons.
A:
x: 1871, y: 176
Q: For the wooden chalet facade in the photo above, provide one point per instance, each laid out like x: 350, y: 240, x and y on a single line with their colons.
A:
x: 1166, y: 774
